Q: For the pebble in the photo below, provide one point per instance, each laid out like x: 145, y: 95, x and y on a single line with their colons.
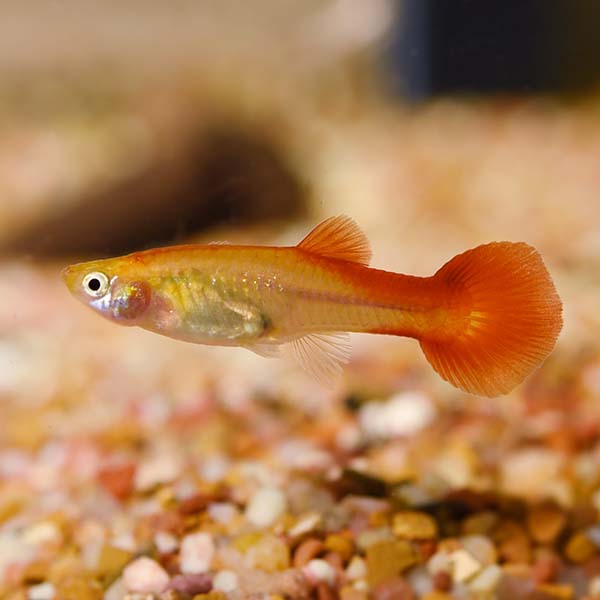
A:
x: 414, y: 525
x: 222, y: 512
x: 487, y: 580
x: 305, y: 524
x: 162, y: 468
x: 112, y: 560
x: 269, y: 553
x: 265, y: 507
x: 545, y: 568
x: 441, y: 561
x: 225, y: 581
x: 41, y: 591
x: 146, y: 576
x: 118, y: 479
x: 464, y: 566
x: 401, y: 415
x: 442, y: 581
x: 198, y: 583
x: 579, y: 548
x: 165, y: 542
x: 340, y: 544
x: 318, y: 570
x: 387, y: 559
x: 480, y: 523
x: 545, y: 523
x: 196, y: 554
x: 513, y: 543
x: 306, y: 551
x: 528, y: 473
x: 356, y: 569
x: 480, y: 548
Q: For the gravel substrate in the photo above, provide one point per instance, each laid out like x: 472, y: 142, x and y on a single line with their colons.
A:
x: 135, y: 467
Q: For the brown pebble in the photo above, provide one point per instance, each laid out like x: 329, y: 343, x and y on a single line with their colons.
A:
x: 442, y: 581
x: 387, y: 559
x: 118, y: 480
x: 545, y: 523
x: 193, y: 504
x: 414, y: 525
x: 199, y: 583
x: 545, y: 569
x: 306, y: 551
x: 579, y: 548
x: 112, y: 560
x: 513, y: 542
x: 341, y: 544
x: 427, y: 548
x: 396, y: 588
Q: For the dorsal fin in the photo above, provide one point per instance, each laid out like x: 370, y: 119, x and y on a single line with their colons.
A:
x: 338, y: 237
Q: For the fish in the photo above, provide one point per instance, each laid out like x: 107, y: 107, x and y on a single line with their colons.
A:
x: 485, y: 320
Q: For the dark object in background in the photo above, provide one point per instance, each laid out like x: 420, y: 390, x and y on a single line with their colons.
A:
x: 224, y: 175
x: 443, y: 46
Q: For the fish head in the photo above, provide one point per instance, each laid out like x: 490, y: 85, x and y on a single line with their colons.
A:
x: 111, y: 288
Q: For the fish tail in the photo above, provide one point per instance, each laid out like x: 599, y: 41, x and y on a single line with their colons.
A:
x: 509, y: 318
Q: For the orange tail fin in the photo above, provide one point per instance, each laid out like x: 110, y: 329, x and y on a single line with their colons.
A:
x: 512, y: 318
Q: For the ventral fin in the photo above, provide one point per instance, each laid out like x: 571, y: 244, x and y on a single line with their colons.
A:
x: 266, y: 349
x: 338, y: 237
x: 322, y: 355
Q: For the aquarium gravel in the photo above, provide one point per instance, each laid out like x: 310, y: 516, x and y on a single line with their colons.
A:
x: 140, y: 468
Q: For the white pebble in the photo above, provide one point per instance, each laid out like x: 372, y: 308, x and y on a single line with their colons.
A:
x: 222, y: 512
x: 464, y: 566
x: 528, y: 473
x: 265, y: 507
x: 356, y: 569
x: 42, y: 591
x: 305, y: 524
x: 225, y: 581
x: 197, y: 551
x: 318, y: 570
x: 439, y: 562
x: 480, y: 548
x: 165, y: 542
x: 116, y: 591
x: 156, y: 470
x: 146, y: 576
x: 403, y: 414
x: 486, y: 581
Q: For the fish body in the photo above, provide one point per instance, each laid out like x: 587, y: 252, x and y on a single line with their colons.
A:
x: 484, y: 320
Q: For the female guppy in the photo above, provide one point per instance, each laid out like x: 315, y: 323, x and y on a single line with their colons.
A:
x: 485, y: 320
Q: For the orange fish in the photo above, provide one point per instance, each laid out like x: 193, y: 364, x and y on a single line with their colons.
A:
x: 485, y: 320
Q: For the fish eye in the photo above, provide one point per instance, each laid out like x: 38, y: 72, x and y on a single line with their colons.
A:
x: 95, y: 284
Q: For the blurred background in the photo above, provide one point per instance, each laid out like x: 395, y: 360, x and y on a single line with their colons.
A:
x: 436, y: 125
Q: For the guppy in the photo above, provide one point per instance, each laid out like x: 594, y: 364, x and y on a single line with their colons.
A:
x: 485, y: 320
